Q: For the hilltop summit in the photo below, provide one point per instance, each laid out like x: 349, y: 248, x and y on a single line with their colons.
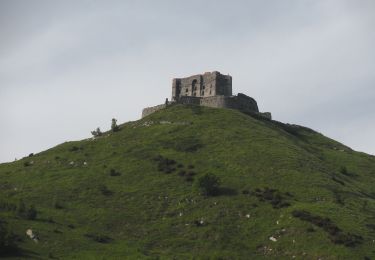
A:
x: 211, y: 89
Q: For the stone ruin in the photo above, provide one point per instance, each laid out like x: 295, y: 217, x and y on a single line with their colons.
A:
x: 210, y: 89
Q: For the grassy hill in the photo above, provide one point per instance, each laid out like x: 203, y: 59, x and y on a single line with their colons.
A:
x: 285, y: 192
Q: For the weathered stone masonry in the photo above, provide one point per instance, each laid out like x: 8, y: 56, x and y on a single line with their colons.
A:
x: 211, y: 89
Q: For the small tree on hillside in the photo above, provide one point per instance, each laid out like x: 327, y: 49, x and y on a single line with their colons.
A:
x: 96, y: 132
x: 114, y: 125
x: 209, y: 184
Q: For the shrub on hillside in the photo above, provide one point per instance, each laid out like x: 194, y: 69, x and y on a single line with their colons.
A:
x: 245, y: 192
x: 113, y: 172
x: 273, y: 196
x: 26, y: 213
x: 7, y: 206
x: 7, y: 240
x: 26, y: 164
x: 31, y: 213
x: 189, y: 176
x: 100, y: 238
x: 97, y: 132
x: 182, y: 173
x: 209, y: 184
x: 21, y: 209
x: 74, y: 148
x: 344, y: 170
x: 104, y: 190
x: 165, y: 165
x: 337, y: 236
x: 114, y: 126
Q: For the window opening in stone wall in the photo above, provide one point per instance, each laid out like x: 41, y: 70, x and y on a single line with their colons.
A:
x: 194, y: 84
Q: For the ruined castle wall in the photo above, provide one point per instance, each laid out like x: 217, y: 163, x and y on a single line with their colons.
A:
x: 239, y: 102
x: 205, y: 85
x: 191, y: 86
x: 149, y: 110
x: 209, y: 84
x: 242, y: 102
x: 224, y: 85
x: 189, y: 100
x: 216, y: 101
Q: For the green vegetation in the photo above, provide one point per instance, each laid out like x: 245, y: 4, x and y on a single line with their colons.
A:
x: 285, y: 191
x: 7, y: 241
x: 97, y: 132
x: 209, y: 185
x: 114, y: 126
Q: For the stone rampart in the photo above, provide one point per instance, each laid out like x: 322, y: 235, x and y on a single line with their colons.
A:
x: 189, y: 100
x: 149, y: 110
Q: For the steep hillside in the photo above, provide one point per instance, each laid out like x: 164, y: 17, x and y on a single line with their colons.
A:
x: 285, y: 192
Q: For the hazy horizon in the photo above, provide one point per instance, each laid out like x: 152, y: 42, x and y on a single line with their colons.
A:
x: 67, y: 67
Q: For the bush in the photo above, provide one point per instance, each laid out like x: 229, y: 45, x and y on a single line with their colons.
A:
x: 344, y: 170
x: 26, y: 213
x: 7, y: 240
x: 337, y: 236
x: 114, y: 125
x: 99, y: 238
x: 104, y: 190
x: 26, y: 164
x: 97, y: 132
x: 74, y: 148
x: 310, y: 229
x: 7, y: 206
x: 273, y: 196
x: 189, y: 178
x: 113, y: 172
x: 209, y: 184
x: 31, y: 213
x: 165, y: 165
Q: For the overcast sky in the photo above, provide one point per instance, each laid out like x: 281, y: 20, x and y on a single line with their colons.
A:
x: 67, y: 67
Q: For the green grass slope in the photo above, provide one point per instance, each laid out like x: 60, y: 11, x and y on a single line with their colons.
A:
x: 286, y: 192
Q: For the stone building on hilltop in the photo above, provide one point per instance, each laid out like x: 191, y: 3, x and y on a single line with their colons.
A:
x: 210, y: 89
x: 207, y: 85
